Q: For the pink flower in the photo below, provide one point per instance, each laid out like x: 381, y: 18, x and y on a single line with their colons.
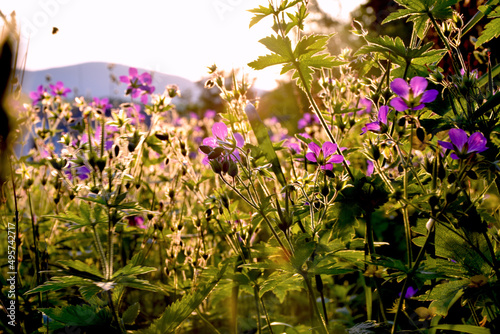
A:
x: 413, y: 96
x: 219, y: 140
x: 38, y: 95
x: 138, y: 85
x: 59, y: 89
x: 463, y: 145
x: 380, y: 125
x: 324, y: 156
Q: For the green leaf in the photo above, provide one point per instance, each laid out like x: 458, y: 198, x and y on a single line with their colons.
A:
x: 58, y: 283
x: 131, y: 314
x: 176, y: 313
x: 265, y: 143
x: 266, y: 61
x: 260, y: 13
x: 79, y: 315
x: 133, y: 270
x: 279, y: 45
x: 491, y: 30
x: 280, y: 283
x: 82, y: 267
x: 444, y: 296
x: 463, y: 328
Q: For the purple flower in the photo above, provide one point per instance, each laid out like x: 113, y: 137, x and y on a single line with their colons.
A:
x: 293, y: 145
x: 81, y: 172
x: 210, y: 114
x: 307, y: 120
x: 59, y: 89
x: 410, y: 292
x: 413, y: 96
x: 463, y: 145
x: 38, y: 95
x: 136, y: 221
x: 369, y: 167
x: 138, y: 85
x: 366, y: 106
x: 324, y: 156
x: 102, y: 104
x: 96, y: 142
x: 380, y: 125
x: 219, y: 139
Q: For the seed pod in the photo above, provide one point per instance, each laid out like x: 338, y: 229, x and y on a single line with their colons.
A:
x: 205, y: 149
x: 216, y: 153
x: 233, y: 169
x: 162, y: 136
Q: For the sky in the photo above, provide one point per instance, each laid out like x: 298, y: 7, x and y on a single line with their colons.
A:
x: 175, y: 37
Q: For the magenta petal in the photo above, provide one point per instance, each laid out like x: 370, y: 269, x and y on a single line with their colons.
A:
x: 382, y: 114
x: 311, y: 157
x: 369, y: 168
x: 418, y: 85
x: 210, y: 141
x: 327, y: 167
x: 336, y: 159
x: 429, y: 96
x: 458, y: 138
x: 374, y: 126
x: 446, y: 145
x: 124, y: 79
x: 419, y: 107
x: 240, y: 141
x: 315, y: 149
x: 328, y: 149
x: 144, y: 99
x: 477, y: 143
x: 219, y: 130
x: 398, y: 104
x: 401, y: 88
x: 132, y: 72
x: 454, y: 156
x: 145, y: 78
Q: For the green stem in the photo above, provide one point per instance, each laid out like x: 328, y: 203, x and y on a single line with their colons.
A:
x: 205, y: 320
x: 100, y: 250
x: 115, y: 313
x: 445, y: 41
x: 322, y: 328
x: 257, y: 306
x: 110, y: 246
x: 35, y: 244
x: 267, y: 316
x: 408, y: 278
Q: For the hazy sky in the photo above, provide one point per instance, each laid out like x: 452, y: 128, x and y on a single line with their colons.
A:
x: 171, y: 36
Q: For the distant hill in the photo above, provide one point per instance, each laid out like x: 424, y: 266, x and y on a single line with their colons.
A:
x: 98, y: 79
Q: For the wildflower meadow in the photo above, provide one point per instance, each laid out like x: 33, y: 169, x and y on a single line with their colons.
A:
x: 377, y: 211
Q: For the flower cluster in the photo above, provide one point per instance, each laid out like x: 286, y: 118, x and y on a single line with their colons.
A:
x: 138, y: 85
x: 220, y: 151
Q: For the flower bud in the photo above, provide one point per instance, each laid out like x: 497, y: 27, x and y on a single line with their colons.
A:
x: 233, y: 169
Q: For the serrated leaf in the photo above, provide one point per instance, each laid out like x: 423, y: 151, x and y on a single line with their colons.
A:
x: 491, y: 29
x: 131, y: 314
x: 444, y: 296
x: 133, y: 270
x: 82, y: 267
x: 79, y: 315
x: 176, y: 313
x: 58, y: 283
x: 265, y: 143
x: 462, y: 328
x: 279, y: 45
x: 266, y: 61
x: 280, y: 284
